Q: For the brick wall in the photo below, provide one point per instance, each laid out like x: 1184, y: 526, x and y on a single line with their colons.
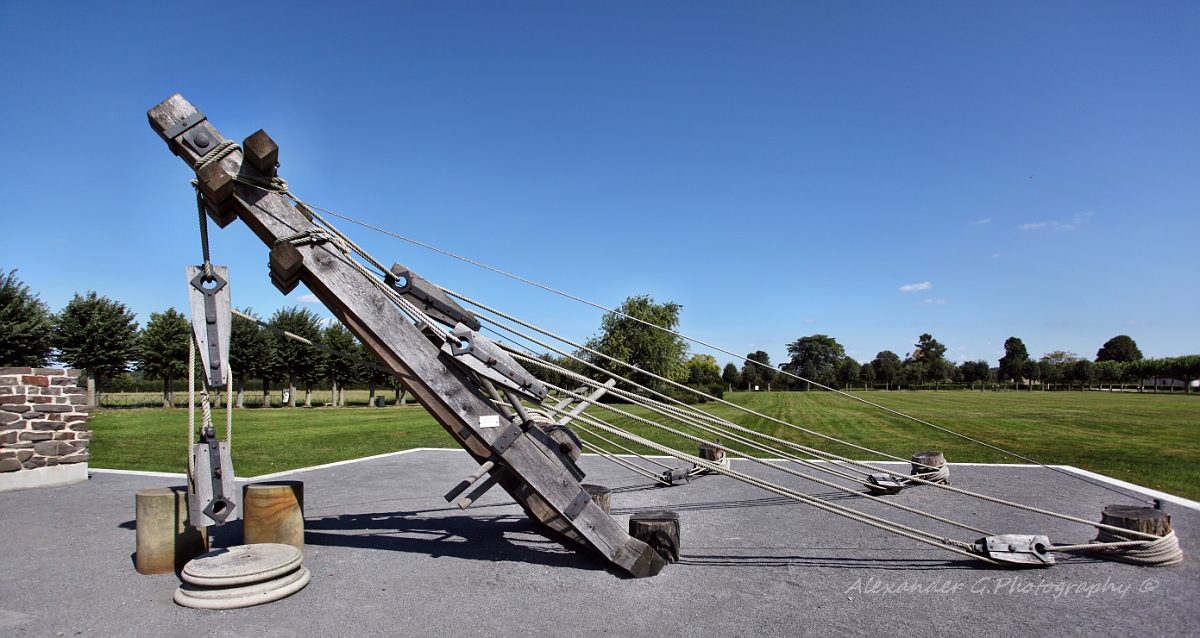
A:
x: 43, y: 419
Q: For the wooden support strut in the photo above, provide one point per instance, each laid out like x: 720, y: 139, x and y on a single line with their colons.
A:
x: 534, y: 476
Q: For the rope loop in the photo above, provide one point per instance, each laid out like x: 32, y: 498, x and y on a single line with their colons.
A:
x: 1162, y: 552
x: 218, y: 153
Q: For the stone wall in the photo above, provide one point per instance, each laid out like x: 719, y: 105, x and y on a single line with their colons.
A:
x: 43, y: 423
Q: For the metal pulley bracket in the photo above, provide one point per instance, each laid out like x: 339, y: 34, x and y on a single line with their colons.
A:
x: 677, y: 476
x: 883, y: 484
x: 480, y: 355
x: 211, y: 318
x: 210, y: 501
x: 1018, y: 549
x: 433, y: 300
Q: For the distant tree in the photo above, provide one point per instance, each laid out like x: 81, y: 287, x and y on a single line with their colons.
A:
x: 650, y: 349
x: 847, y: 372
x: 1083, y: 371
x: 96, y: 334
x: 1032, y: 371
x: 1120, y: 348
x: 887, y: 366
x: 703, y: 370
x: 973, y: 371
x: 1108, y: 372
x: 866, y: 372
x: 1014, y: 357
x: 297, y: 361
x: 755, y: 374
x: 815, y: 358
x: 730, y: 375
x: 162, y: 350
x: 1048, y: 373
x: 25, y: 325
x: 932, y: 355
x: 1059, y: 357
x: 250, y: 354
x: 340, y: 371
x: 376, y: 377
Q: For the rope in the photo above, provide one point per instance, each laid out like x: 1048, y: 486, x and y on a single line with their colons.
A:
x: 280, y: 186
x: 874, y: 469
x: 724, y: 351
x: 218, y: 153
x: 1162, y: 552
x: 780, y: 468
x: 949, y: 544
x: 191, y: 421
x: 229, y: 407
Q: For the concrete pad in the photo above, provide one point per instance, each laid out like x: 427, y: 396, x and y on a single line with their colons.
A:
x: 752, y: 563
x: 55, y: 476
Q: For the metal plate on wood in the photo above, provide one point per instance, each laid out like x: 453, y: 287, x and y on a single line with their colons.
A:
x: 576, y: 507
x: 1020, y: 549
x: 201, y: 494
x: 471, y: 349
x: 211, y: 318
x: 183, y: 125
x: 506, y: 438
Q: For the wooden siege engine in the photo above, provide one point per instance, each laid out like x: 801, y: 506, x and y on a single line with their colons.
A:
x: 454, y: 378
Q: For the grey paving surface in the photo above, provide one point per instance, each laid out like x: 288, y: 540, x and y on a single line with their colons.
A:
x: 389, y: 557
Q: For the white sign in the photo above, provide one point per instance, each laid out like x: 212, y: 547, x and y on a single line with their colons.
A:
x: 489, y: 421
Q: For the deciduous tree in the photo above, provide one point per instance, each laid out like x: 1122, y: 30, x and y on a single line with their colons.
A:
x: 96, y: 334
x: 815, y: 358
x: 1014, y: 357
x: 887, y: 366
x: 1120, y: 348
x: 25, y: 325
x: 162, y: 350
x: 297, y: 360
x: 250, y: 354
x: 633, y: 342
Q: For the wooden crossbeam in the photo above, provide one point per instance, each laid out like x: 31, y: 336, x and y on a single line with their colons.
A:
x: 531, y: 473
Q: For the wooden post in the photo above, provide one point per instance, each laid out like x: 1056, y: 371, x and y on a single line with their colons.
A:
x: 711, y: 452
x: 542, y: 485
x: 601, y: 495
x: 273, y: 512
x: 659, y: 530
x: 1147, y: 520
x: 923, y: 462
x: 165, y: 541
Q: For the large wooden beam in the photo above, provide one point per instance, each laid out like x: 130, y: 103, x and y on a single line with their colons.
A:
x: 534, y: 477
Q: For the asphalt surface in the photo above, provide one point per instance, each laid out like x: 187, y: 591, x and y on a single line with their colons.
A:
x: 390, y: 557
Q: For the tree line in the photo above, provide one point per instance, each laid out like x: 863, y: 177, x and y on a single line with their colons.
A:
x: 660, y: 358
x: 102, y: 336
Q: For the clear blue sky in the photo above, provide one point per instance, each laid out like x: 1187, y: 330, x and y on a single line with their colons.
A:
x: 779, y: 169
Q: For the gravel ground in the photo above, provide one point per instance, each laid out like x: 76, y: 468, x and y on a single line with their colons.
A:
x: 390, y: 557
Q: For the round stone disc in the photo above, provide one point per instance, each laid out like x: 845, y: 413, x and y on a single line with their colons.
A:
x: 241, y: 565
x: 238, y: 597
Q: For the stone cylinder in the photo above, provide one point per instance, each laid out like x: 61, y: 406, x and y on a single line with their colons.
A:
x: 273, y: 512
x: 165, y: 540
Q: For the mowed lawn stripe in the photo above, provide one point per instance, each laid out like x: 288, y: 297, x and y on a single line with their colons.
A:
x: 1151, y: 440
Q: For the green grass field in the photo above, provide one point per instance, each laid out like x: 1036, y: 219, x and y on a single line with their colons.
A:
x: 1151, y: 440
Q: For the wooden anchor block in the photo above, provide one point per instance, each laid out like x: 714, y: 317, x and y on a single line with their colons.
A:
x: 601, y: 495
x: 273, y: 512
x: 536, y: 476
x: 165, y: 540
x: 1147, y: 520
x: 658, y: 529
